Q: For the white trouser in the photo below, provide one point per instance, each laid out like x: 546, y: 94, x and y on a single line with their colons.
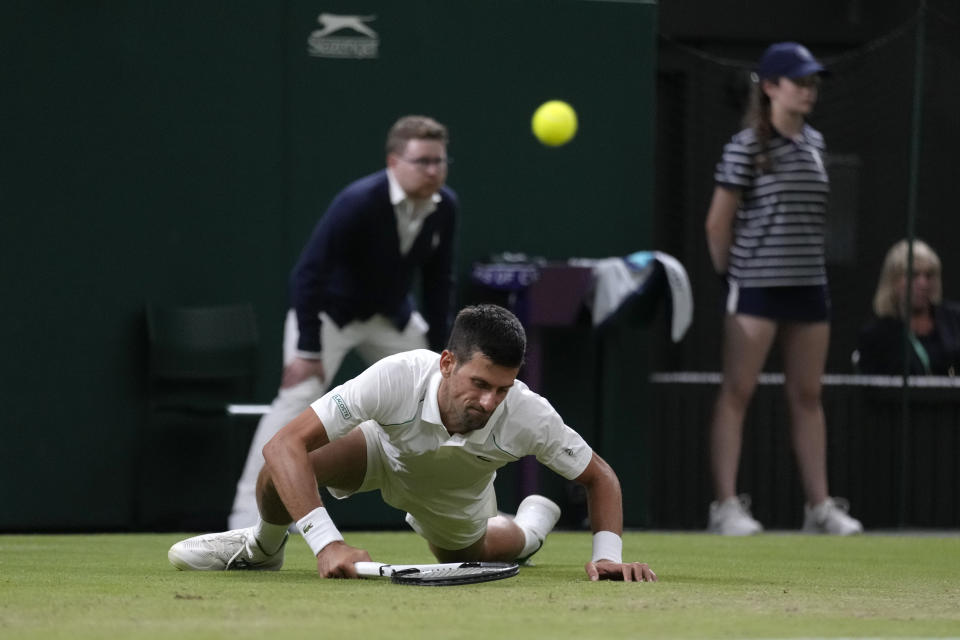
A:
x: 373, y: 339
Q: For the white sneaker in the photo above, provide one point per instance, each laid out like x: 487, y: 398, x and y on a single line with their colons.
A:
x: 830, y: 516
x: 539, y: 516
x: 732, y: 517
x: 227, y: 551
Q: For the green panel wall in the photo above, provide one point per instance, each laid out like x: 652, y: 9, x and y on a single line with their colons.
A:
x: 181, y: 152
x: 141, y: 146
x: 482, y: 68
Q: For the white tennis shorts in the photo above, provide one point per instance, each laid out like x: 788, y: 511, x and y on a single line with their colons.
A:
x: 450, y: 531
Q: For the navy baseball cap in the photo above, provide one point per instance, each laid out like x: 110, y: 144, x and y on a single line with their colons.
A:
x: 788, y: 60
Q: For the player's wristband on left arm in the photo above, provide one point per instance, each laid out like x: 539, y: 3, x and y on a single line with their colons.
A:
x: 607, y: 546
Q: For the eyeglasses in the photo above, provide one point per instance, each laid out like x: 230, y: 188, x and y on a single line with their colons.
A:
x: 426, y: 162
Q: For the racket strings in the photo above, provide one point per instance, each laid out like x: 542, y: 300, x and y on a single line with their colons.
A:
x: 455, y: 575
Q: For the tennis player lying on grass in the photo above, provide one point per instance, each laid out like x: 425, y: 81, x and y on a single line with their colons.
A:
x: 429, y: 431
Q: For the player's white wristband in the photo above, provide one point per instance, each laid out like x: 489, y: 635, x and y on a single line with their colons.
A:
x: 318, y: 529
x: 607, y: 546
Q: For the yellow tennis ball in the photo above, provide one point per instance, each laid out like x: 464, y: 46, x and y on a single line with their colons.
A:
x: 554, y: 123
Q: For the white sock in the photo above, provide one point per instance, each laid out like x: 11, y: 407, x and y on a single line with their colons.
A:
x: 534, y: 521
x: 270, y: 536
x: 531, y: 542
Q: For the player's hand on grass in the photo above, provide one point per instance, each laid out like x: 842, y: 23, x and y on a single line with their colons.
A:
x: 626, y: 571
x: 300, y: 369
x: 336, y: 560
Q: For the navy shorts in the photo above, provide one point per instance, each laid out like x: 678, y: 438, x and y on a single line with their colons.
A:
x: 786, y: 304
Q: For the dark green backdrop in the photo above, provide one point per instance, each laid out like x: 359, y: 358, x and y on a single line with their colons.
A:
x: 181, y: 152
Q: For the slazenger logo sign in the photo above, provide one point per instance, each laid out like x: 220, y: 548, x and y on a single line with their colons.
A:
x: 343, y: 37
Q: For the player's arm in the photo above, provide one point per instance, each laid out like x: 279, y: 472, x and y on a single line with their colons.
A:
x: 719, y: 225
x: 287, y: 458
x: 605, y: 503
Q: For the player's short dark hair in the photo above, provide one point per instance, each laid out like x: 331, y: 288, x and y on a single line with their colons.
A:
x: 491, y: 330
x: 410, y: 128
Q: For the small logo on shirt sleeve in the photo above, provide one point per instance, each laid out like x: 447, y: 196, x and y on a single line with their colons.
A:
x: 342, y: 406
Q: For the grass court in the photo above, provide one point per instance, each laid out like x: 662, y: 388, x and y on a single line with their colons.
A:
x: 776, y: 585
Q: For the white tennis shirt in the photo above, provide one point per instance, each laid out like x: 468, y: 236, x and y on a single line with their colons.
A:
x: 443, y: 473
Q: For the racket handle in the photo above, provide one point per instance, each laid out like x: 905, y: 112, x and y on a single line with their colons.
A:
x: 370, y: 569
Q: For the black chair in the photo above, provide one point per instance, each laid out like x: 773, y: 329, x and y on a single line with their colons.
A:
x: 201, y: 359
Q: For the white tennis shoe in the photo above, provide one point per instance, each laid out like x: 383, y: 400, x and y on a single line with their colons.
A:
x: 537, y: 515
x: 732, y: 517
x: 228, y: 551
x: 830, y: 516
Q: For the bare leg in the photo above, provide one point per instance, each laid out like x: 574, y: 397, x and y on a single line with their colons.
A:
x: 502, y: 542
x: 805, y: 355
x: 746, y: 344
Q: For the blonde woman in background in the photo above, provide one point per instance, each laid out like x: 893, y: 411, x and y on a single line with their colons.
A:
x: 934, y: 323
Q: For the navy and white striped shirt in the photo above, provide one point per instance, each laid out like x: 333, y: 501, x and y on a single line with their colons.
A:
x: 778, y: 234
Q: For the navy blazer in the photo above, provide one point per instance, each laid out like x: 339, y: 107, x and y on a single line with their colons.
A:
x: 352, y: 268
x: 881, y: 344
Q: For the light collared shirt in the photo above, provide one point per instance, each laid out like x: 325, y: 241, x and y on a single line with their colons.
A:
x: 410, y: 213
x: 430, y: 467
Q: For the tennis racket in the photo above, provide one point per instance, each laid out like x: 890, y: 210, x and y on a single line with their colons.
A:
x: 438, y: 575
